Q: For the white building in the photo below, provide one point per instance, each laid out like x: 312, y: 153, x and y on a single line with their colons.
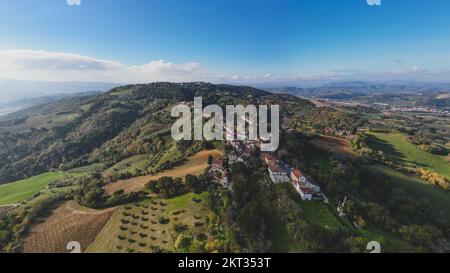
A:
x: 277, y: 174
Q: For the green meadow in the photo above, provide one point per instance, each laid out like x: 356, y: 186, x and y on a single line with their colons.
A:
x: 420, y: 189
x: 398, y: 149
x: 21, y: 190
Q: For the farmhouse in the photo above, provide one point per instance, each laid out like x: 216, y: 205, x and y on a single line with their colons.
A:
x: 217, y: 164
x: 269, y: 157
x: 298, y: 176
x: 277, y: 173
x: 306, y: 194
x: 312, y: 185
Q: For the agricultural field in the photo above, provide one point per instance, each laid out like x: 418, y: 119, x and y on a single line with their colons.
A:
x: 129, y: 164
x: 334, y: 144
x: 93, y: 168
x: 51, y: 232
x: 21, y: 190
x: 398, y: 149
x: 195, y: 165
x: 155, y: 225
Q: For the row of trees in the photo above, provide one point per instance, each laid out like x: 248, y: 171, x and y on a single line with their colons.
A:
x: 168, y: 187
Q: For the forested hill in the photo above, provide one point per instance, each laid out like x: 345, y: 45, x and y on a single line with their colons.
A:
x: 106, y: 127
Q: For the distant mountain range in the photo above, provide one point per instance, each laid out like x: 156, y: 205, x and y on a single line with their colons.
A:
x: 20, y: 104
x: 13, y: 90
x: 356, y: 89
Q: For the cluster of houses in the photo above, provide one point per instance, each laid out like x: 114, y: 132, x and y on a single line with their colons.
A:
x: 420, y: 110
x: 334, y: 132
x: 219, y: 170
x: 281, y: 172
x: 241, y: 150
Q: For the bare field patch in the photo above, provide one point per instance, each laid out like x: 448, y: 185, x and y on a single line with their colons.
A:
x: 335, y: 145
x: 195, y: 165
x: 68, y: 222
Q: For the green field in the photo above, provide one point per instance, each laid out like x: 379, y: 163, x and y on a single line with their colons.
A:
x: 389, y: 243
x: 127, y: 165
x: 93, y: 168
x: 398, y: 149
x: 21, y: 190
x: 440, y: 200
x: 322, y: 214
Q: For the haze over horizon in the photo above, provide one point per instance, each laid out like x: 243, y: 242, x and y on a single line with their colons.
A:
x: 238, y: 42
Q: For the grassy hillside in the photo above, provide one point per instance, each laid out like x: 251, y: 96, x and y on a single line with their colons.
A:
x: 439, y: 199
x: 21, y: 190
x: 111, y: 127
x: 398, y: 149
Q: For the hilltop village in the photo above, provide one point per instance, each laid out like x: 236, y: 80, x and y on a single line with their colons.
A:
x: 278, y: 171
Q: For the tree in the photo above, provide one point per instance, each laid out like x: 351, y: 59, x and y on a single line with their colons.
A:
x: 423, y: 237
x: 192, y: 183
x: 210, y: 160
x: 4, y: 236
x: 182, y: 242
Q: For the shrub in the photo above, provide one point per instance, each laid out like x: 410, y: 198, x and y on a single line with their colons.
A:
x: 163, y: 220
x: 183, y: 242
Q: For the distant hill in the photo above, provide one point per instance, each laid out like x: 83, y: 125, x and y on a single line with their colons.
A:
x: 12, y: 90
x: 355, y: 90
x: 20, y: 104
x: 108, y: 127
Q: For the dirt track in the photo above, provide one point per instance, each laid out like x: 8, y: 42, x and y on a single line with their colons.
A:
x: 196, y: 165
x: 68, y: 222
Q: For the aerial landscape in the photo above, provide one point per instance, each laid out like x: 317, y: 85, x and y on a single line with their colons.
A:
x: 89, y: 161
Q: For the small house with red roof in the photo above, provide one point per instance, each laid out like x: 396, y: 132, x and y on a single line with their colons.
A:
x: 299, y: 176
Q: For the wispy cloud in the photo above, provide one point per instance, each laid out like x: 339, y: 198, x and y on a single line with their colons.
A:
x: 74, y: 2
x: 23, y: 59
x: 23, y: 64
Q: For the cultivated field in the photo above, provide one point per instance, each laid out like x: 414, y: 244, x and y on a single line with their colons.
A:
x: 128, y: 164
x: 334, y: 144
x: 21, y: 190
x: 196, y: 165
x: 398, y: 149
x: 139, y: 227
x: 68, y: 222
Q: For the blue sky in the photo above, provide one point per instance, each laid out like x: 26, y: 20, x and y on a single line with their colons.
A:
x: 225, y: 40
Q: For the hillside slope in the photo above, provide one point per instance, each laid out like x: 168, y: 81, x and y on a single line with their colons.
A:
x: 109, y: 127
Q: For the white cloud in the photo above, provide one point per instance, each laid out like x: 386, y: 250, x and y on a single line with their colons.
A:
x: 23, y: 59
x: 39, y: 65
x: 23, y: 64
x: 74, y: 2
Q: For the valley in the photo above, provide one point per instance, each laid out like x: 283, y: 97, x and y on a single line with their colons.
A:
x: 104, y: 170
